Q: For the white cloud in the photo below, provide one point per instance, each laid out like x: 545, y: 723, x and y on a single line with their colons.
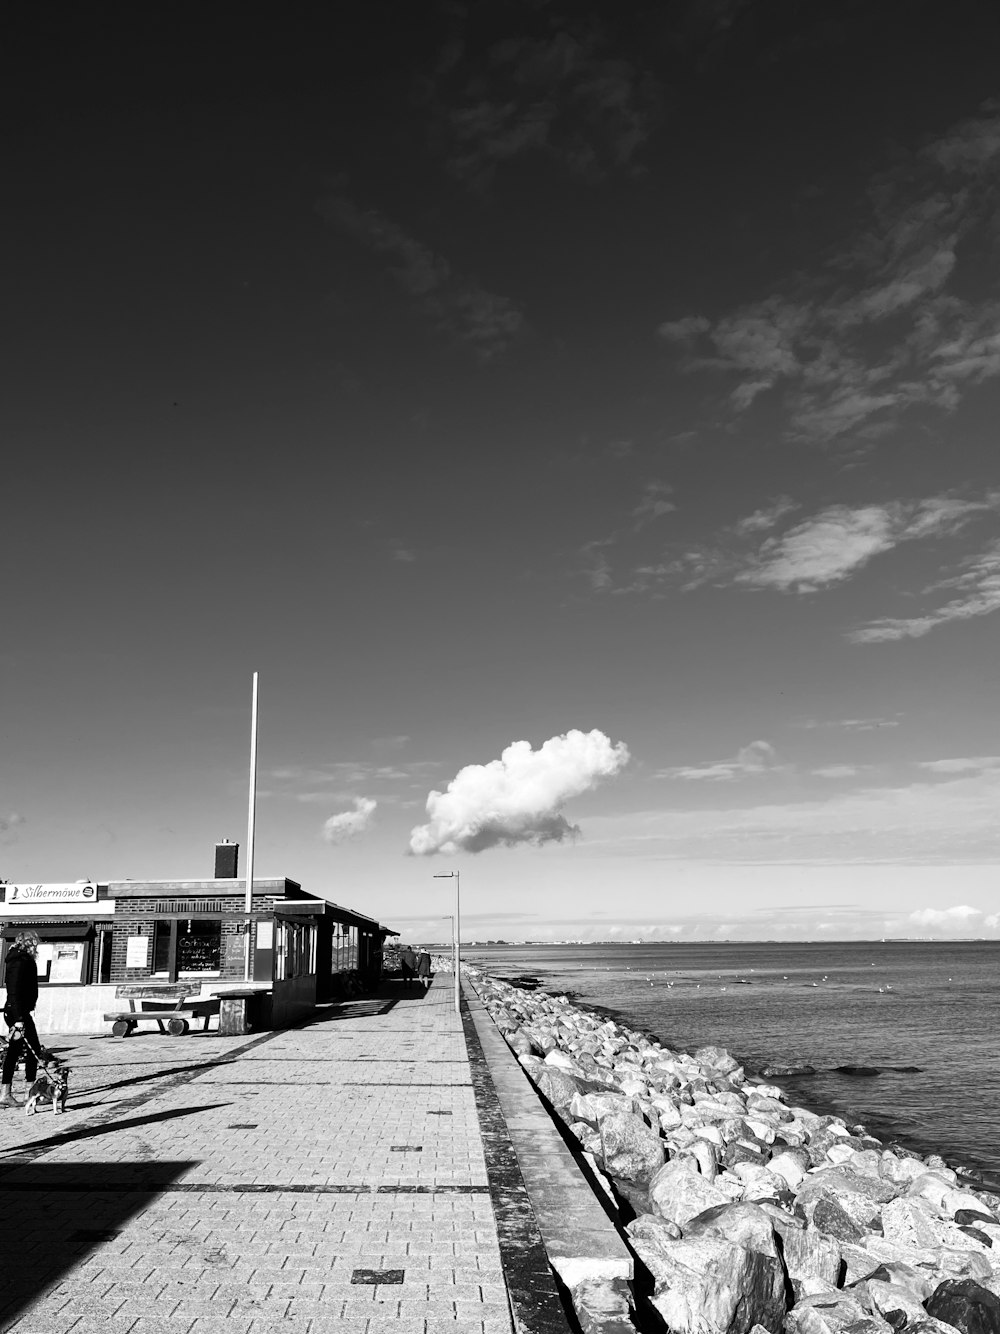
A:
x: 978, y: 584
x: 519, y: 797
x: 958, y: 916
x: 348, y: 824
x: 971, y: 764
x: 837, y: 771
x: 834, y: 544
x: 756, y: 758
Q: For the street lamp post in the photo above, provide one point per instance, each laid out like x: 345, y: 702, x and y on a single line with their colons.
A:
x: 456, y: 876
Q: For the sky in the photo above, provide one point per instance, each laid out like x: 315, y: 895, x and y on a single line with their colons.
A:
x: 581, y: 415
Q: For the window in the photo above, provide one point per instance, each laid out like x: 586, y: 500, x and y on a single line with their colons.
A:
x: 186, y: 946
x: 295, y: 950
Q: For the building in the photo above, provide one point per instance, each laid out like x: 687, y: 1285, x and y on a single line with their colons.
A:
x: 293, y: 950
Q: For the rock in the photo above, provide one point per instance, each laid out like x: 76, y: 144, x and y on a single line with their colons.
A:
x: 588, y: 1137
x: 830, y: 1218
x: 792, y: 1068
x: 629, y: 1147
x: 824, y: 1313
x: 966, y: 1305
x: 743, y: 1224
x: 759, y: 1182
x: 966, y: 1217
x: 889, y: 1299
x: 769, y: 1108
x: 791, y: 1165
x: 914, y: 1280
x: 520, y: 1042
x: 709, y: 1285
x: 561, y: 1061
x: 706, y: 1157
x: 860, y: 1197
x: 556, y: 1085
x: 601, y: 1307
x: 678, y: 1193
x: 716, y: 1058
x: 667, y: 1111
x: 592, y: 1106
x: 899, y: 1170
x: 807, y: 1255
x: 738, y: 1152
x: 911, y: 1222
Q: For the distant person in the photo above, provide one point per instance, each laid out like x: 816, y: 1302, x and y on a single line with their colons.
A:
x: 424, y: 969
x: 407, y: 966
x: 22, y: 996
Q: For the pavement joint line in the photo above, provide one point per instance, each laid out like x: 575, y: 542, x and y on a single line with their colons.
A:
x: 535, y: 1301
x: 140, y: 1187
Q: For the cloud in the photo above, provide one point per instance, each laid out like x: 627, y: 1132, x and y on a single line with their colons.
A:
x: 519, y: 797
x: 894, y: 322
x: 564, y: 95
x: 978, y: 585
x: 832, y: 546
x: 10, y: 826
x: 958, y: 916
x: 756, y: 758
x: 838, y: 771
x: 348, y: 824
x: 654, y: 503
x: 480, y: 320
x: 849, y: 724
x: 974, y: 764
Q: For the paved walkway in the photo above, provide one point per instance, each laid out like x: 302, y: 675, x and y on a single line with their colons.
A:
x: 326, y: 1178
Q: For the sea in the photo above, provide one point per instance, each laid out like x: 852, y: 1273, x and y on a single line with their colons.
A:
x: 902, y: 1035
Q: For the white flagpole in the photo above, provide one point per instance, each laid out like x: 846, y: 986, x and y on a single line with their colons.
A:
x: 248, y: 947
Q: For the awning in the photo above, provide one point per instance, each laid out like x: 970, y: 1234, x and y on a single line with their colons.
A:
x: 50, y: 930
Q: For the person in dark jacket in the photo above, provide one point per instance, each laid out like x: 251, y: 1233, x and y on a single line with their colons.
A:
x: 424, y: 969
x: 407, y: 966
x: 21, y: 979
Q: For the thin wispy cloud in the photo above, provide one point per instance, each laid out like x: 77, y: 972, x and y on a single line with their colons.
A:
x: 977, y: 589
x: 833, y: 546
x: 892, y: 326
x: 566, y: 95
x: 349, y: 824
x: 750, y: 761
x: 518, y: 798
x: 654, y: 504
x: 11, y: 826
x: 482, y: 321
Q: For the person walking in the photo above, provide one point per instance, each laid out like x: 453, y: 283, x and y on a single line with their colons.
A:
x: 407, y: 966
x: 424, y: 969
x: 21, y: 979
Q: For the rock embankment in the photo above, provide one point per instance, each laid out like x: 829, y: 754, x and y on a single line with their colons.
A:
x: 747, y: 1211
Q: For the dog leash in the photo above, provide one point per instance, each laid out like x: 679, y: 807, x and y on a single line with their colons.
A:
x: 17, y: 1033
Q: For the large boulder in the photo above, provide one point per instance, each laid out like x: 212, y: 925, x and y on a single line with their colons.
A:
x: 860, y: 1197
x: 709, y: 1285
x: 825, y: 1313
x: 562, y: 1061
x: 556, y: 1085
x: 630, y: 1148
x: 678, y: 1192
x: 744, y: 1224
x: 790, y: 1164
x: 809, y: 1255
x: 592, y: 1106
x: 911, y: 1222
x: 967, y: 1305
x: 895, y: 1303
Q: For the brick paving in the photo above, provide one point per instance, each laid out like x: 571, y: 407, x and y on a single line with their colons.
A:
x: 327, y: 1178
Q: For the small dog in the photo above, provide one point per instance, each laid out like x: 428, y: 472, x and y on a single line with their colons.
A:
x: 51, y: 1086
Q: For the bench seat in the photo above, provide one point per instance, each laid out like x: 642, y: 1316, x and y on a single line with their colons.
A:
x: 173, y: 1004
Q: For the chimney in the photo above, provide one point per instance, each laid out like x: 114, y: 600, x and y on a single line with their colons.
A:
x: 227, y: 856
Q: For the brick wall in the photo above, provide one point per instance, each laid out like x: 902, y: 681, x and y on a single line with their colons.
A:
x: 137, y: 917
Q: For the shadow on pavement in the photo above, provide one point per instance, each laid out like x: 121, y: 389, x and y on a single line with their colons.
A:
x: 108, y: 1126
x: 60, y: 1214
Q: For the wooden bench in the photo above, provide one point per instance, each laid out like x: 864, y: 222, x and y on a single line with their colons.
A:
x: 163, y: 1002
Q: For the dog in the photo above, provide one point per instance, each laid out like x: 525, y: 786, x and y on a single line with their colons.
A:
x: 51, y: 1086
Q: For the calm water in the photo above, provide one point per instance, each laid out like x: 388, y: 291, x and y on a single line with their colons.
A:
x: 894, y: 1003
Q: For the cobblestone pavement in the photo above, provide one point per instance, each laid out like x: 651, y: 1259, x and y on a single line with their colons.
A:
x: 325, y: 1178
